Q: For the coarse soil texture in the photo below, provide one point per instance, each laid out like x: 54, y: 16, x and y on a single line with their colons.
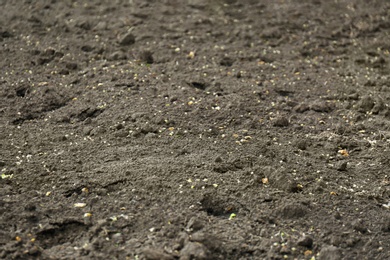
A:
x: 198, y: 129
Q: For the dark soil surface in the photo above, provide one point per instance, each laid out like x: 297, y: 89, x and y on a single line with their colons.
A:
x: 199, y: 129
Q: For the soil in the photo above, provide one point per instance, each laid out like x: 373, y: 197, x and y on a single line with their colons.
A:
x: 195, y: 129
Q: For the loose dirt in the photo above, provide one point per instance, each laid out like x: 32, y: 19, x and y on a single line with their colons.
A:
x: 194, y: 129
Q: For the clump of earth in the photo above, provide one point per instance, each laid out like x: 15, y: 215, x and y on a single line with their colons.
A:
x: 194, y: 129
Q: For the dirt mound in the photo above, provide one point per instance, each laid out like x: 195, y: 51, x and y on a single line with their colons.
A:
x: 194, y: 129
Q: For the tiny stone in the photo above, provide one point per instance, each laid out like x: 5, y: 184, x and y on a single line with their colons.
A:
x: 80, y: 205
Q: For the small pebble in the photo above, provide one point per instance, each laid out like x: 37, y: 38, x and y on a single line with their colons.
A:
x: 80, y: 205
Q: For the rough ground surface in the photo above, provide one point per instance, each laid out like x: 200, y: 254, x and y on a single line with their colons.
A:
x: 194, y: 129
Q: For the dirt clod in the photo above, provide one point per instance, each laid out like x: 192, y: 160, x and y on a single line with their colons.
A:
x: 281, y: 121
x: 330, y: 253
x: 305, y: 241
x: 359, y: 226
x: 194, y: 250
x: 341, y: 165
x: 127, y: 39
x: 156, y: 254
x: 366, y: 104
x: 293, y: 210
